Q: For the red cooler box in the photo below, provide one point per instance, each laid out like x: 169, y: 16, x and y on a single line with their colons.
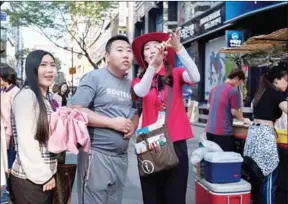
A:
x: 231, y: 193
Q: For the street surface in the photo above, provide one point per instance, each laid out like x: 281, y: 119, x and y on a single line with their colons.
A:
x: 132, y: 191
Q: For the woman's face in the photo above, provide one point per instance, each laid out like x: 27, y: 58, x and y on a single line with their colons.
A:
x: 282, y: 84
x: 46, y: 71
x: 149, y: 51
x: 3, y: 83
x: 64, y: 88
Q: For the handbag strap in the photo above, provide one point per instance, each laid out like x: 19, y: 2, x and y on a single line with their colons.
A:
x: 169, y: 103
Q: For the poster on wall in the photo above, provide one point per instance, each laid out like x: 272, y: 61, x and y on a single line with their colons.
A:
x: 217, y: 65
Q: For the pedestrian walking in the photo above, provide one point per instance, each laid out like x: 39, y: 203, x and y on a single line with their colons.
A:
x: 224, y: 104
x: 34, y: 167
x: 261, y: 144
x: 105, y: 95
x: 8, y: 79
x: 155, y: 53
x: 62, y: 95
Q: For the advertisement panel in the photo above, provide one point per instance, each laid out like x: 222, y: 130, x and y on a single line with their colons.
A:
x: 217, y: 65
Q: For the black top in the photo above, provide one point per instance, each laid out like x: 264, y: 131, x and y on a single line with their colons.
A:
x: 64, y: 100
x: 268, y: 106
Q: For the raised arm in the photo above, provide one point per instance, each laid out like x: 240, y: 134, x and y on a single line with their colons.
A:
x: 191, y: 74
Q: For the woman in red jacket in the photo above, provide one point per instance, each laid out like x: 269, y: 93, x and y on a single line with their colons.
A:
x: 151, y: 51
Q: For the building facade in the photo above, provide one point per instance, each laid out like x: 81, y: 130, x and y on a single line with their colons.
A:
x: 113, y: 26
x: 206, y: 27
x: 204, y: 31
x: 11, y: 43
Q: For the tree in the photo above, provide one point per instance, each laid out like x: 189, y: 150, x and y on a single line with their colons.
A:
x: 81, y: 21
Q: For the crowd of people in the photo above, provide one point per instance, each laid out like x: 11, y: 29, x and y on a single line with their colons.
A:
x: 107, y: 96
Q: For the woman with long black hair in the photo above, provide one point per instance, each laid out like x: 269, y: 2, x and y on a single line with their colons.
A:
x: 62, y: 96
x: 34, y: 167
x: 261, y: 144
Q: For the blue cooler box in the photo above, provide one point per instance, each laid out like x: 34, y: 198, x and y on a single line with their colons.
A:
x: 222, y: 167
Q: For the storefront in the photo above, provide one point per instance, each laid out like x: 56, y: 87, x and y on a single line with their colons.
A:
x: 205, y: 33
x: 275, y: 51
x: 192, y: 34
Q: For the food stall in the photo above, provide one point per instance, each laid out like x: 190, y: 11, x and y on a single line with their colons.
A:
x: 274, y: 49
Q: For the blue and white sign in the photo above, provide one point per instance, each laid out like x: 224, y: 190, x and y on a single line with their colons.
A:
x: 234, y: 38
x: 3, y: 16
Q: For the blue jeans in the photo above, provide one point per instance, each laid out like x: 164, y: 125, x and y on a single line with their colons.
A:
x: 11, y: 155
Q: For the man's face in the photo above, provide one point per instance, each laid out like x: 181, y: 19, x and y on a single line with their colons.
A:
x: 120, y: 56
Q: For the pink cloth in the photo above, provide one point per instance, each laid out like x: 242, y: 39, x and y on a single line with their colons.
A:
x: 6, y: 105
x: 68, y: 127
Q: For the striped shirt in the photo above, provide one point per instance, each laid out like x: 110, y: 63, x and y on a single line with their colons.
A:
x: 222, y: 99
x: 33, y: 160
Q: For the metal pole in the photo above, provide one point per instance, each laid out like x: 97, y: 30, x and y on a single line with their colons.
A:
x: 72, y: 67
x: 22, y: 69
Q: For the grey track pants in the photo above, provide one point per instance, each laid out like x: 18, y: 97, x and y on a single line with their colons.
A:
x: 106, y: 178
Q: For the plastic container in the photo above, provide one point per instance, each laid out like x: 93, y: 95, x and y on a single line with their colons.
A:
x: 222, y: 167
x: 232, y: 193
x: 282, y: 136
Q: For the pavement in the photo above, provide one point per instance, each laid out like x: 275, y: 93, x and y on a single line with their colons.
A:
x: 132, y: 191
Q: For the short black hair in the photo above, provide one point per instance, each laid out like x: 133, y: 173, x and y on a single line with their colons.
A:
x: 114, y: 38
x: 237, y: 73
x: 8, y: 74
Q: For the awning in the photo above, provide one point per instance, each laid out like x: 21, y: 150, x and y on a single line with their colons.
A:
x: 261, y: 42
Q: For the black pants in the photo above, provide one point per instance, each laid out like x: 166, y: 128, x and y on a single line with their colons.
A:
x: 26, y: 192
x: 168, y: 187
x: 224, y: 141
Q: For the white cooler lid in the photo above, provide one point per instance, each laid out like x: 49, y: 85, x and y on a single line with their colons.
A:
x: 223, y: 157
x: 241, y: 186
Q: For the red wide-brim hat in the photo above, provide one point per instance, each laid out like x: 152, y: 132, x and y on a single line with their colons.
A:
x: 139, y: 42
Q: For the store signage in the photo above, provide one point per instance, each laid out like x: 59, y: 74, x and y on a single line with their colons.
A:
x: 212, y: 20
x: 234, y: 38
x: 237, y: 9
x: 3, y: 16
x: 203, y: 23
